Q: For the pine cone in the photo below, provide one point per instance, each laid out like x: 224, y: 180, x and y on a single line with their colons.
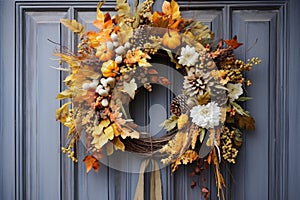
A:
x: 196, y: 83
x: 179, y: 105
x: 222, y: 55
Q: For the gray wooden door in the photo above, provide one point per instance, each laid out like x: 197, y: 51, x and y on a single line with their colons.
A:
x: 32, y: 166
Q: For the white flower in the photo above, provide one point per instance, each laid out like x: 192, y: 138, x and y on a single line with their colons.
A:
x: 118, y: 59
x: 189, y: 56
x: 234, y: 90
x: 206, y: 116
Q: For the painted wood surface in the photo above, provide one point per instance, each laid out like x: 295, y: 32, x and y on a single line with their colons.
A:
x: 32, y: 165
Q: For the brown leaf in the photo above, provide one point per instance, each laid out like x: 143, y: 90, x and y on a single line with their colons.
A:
x: 233, y: 42
x: 164, y: 81
x: 154, y: 79
x: 246, y: 122
x: 91, y: 162
x: 193, y: 184
x: 152, y: 71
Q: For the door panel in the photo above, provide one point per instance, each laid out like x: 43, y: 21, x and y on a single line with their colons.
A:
x: 50, y: 175
x: 42, y: 138
x: 256, y: 29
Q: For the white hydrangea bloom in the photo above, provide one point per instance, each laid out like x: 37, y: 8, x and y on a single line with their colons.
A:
x: 206, y: 116
x: 188, y: 56
x: 234, y: 90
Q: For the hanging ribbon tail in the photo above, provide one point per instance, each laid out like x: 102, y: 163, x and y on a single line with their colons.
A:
x: 156, y: 189
x: 139, y: 192
x: 218, y: 150
x: 204, y: 149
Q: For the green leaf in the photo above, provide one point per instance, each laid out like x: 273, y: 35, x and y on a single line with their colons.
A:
x: 239, y: 109
x: 170, y: 123
x: 244, y: 98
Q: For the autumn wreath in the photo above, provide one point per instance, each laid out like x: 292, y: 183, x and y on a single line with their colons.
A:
x: 206, y: 118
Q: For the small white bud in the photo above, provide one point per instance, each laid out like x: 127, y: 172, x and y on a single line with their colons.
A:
x: 102, y: 92
x: 120, y: 50
x: 118, y: 59
x: 104, y: 102
x: 127, y: 45
x: 94, y: 83
x: 85, y: 86
x: 114, y: 37
x: 103, y: 82
x: 110, y: 46
x: 116, y: 44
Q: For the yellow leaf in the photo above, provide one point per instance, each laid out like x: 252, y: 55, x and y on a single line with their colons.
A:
x: 109, y: 148
x: 171, y: 9
x: 204, y: 99
x: 118, y: 144
x: 61, y: 113
x: 195, y: 134
x: 130, y: 88
x: 73, y: 25
x: 109, y: 132
x: 99, y: 141
x: 170, y: 123
x: 182, y: 120
x: 128, y: 132
x: 65, y: 94
x: 99, y: 129
x: 123, y: 9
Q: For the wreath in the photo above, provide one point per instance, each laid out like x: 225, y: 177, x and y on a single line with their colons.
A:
x: 206, y: 120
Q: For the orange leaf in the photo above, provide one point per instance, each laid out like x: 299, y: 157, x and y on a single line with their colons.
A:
x: 233, y: 42
x: 91, y: 162
x: 160, y: 20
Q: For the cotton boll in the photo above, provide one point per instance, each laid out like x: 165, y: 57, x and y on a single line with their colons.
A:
x: 103, y: 81
x: 107, y: 88
x: 119, y: 59
x: 114, y: 37
x: 116, y: 44
x: 102, y: 92
x: 86, y: 86
x: 111, y: 82
x: 120, y: 50
x: 110, y: 46
x: 127, y: 45
x: 94, y: 83
x: 104, y: 102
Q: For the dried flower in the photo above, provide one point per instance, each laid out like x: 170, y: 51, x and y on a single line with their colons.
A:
x: 206, y: 116
x: 234, y: 90
x: 189, y: 56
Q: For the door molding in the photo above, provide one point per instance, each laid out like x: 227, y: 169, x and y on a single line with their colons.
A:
x: 278, y: 152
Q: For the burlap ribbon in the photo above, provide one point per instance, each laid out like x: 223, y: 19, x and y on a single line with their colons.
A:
x: 155, y: 185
